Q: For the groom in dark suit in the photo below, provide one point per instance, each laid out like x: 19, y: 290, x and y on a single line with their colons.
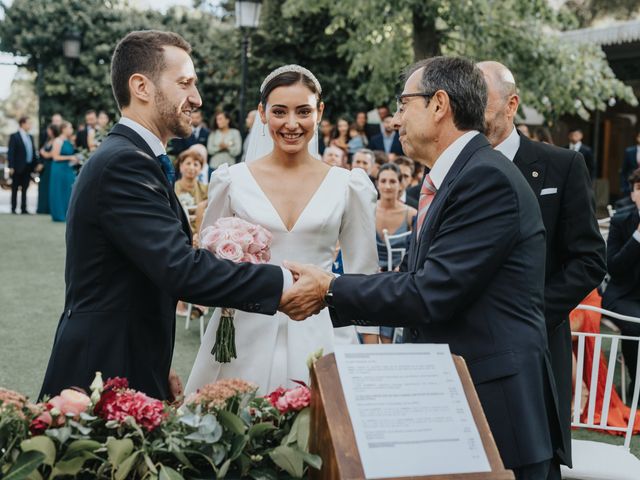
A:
x: 474, y: 275
x: 129, y: 254
x: 575, y: 262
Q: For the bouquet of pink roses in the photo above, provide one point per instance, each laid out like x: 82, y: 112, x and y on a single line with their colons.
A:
x: 232, y: 238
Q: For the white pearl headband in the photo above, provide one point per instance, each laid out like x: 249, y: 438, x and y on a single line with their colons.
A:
x: 291, y: 68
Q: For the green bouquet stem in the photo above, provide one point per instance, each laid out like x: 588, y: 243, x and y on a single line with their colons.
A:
x: 225, y: 347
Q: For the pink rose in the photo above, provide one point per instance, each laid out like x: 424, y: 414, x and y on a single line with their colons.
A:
x: 298, y: 398
x: 229, y: 250
x: 230, y: 223
x: 251, y: 258
x: 71, y: 401
x: 261, y: 240
x: 41, y: 423
x: 211, y: 238
x: 242, y: 238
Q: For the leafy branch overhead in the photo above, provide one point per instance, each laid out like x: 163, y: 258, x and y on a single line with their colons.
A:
x: 554, y: 76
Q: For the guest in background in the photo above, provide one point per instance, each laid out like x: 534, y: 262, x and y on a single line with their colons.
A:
x: 357, y: 140
x: 102, y: 127
x: 524, y: 130
x: 575, y: 143
x: 364, y: 159
x: 251, y: 117
x: 395, y: 217
x: 85, y: 139
x: 387, y: 141
x: 45, y: 173
x: 623, y: 263
x: 62, y: 173
x: 56, y: 119
x: 407, y: 167
x: 542, y: 134
x: 360, y: 124
x: 191, y: 193
x: 340, y: 135
x: 224, y: 143
x: 324, y: 138
x: 380, y: 158
x: 630, y: 163
x: 334, y: 157
x: 22, y: 158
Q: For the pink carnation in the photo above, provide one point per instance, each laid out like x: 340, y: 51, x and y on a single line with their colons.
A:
x: 292, y: 400
x: 146, y: 411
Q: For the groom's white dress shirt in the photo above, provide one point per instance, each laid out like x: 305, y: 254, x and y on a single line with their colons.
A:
x: 156, y: 146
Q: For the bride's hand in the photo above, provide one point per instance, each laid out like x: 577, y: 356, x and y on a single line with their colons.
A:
x: 306, y: 296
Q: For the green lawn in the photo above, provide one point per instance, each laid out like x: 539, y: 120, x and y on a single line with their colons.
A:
x: 32, y: 296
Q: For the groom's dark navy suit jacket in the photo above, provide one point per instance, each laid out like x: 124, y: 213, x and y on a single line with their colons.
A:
x: 475, y: 280
x: 129, y: 259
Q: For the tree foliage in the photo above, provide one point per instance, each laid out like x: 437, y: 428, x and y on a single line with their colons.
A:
x: 554, y: 77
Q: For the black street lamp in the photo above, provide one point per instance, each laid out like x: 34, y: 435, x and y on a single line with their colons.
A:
x: 247, y: 17
x: 71, y: 43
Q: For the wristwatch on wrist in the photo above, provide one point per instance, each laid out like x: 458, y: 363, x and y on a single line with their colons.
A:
x: 328, y: 297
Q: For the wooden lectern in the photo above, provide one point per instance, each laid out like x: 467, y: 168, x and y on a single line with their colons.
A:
x: 333, y: 439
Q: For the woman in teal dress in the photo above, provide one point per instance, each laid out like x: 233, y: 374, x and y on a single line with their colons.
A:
x: 45, y: 174
x: 62, y: 173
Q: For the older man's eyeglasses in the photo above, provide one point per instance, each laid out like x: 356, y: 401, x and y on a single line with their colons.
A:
x: 400, y: 102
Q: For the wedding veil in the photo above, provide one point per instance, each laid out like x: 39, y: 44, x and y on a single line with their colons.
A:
x: 260, y: 141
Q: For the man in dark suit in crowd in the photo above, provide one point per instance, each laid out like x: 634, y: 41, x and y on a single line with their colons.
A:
x: 85, y: 138
x: 630, y: 163
x: 474, y: 274
x: 373, y: 129
x: 388, y: 140
x: 129, y: 253
x: 575, y: 144
x: 623, y: 262
x: 200, y: 134
x: 23, y: 160
x: 575, y: 261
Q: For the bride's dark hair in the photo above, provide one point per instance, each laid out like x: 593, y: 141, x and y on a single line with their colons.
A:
x: 284, y: 80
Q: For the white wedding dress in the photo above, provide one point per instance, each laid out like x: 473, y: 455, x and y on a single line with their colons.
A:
x: 273, y: 350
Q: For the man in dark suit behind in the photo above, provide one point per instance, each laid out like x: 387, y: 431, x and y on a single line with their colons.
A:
x: 630, y: 163
x: 575, y: 144
x: 388, y: 140
x: 23, y: 160
x: 623, y: 262
x: 575, y: 262
x: 129, y: 254
x: 474, y: 274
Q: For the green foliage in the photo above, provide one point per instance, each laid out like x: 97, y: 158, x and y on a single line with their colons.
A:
x: 586, y: 11
x: 555, y: 77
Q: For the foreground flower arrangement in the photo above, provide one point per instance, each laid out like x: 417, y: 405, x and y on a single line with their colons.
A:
x: 222, y: 431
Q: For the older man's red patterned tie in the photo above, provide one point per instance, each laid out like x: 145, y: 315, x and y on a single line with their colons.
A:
x: 427, y: 193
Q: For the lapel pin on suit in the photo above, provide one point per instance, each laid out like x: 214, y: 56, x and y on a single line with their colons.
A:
x: 534, y: 174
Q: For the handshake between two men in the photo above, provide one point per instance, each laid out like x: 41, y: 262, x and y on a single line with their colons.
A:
x: 307, y: 295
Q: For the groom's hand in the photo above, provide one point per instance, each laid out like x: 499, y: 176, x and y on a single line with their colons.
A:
x: 306, y: 296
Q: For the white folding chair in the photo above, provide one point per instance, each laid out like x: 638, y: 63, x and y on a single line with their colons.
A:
x: 597, y: 460
x: 391, y: 250
x: 607, y: 315
x: 190, y: 212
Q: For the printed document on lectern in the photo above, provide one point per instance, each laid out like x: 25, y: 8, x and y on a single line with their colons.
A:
x: 409, y: 411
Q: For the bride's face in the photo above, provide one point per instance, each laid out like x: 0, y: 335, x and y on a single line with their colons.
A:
x: 291, y: 116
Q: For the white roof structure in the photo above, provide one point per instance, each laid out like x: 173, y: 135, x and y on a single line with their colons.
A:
x: 612, y: 35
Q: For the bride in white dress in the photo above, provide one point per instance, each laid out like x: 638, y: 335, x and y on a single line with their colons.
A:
x: 308, y: 207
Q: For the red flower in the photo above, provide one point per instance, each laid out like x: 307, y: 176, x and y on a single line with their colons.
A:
x: 116, y: 383
x: 292, y: 400
x: 119, y: 405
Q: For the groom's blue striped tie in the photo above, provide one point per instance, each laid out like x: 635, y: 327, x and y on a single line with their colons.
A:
x: 167, y: 168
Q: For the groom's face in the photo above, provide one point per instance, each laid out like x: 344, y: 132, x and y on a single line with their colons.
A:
x: 176, y: 96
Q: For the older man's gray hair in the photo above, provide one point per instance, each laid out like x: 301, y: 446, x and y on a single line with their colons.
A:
x: 463, y: 82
